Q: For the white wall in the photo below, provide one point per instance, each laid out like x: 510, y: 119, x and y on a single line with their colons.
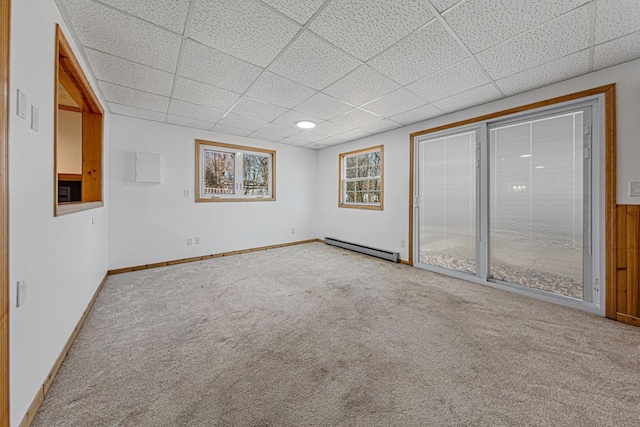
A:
x: 63, y: 259
x: 385, y: 229
x: 150, y: 223
x: 69, y: 142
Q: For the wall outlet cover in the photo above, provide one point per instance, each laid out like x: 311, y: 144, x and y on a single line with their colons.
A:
x: 189, y: 241
x: 634, y: 189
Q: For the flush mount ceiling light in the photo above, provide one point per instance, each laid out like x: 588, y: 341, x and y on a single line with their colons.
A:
x: 306, y: 124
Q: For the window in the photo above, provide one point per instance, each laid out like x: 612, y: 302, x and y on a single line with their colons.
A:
x: 232, y: 173
x: 362, y: 179
x: 78, y: 136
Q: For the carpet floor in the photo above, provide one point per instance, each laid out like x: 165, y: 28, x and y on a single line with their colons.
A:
x: 313, y: 335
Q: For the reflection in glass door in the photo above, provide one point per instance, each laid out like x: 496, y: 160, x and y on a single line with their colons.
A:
x: 537, y: 203
x: 447, y: 192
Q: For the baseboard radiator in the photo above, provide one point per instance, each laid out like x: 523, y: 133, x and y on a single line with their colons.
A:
x: 380, y: 253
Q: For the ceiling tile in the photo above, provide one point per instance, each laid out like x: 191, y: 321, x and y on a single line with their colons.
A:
x: 241, y: 122
x: 395, y: 103
x: 313, y: 62
x: 206, y: 65
x: 120, y: 71
x: 196, y: 112
x: 479, y: 95
x: 365, y: 28
x: 331, y: 128
x: 230, y: 130
x: 113, y: 32
x: 298, y: 10
x: 482, y: 24
x: 290, y: 118
x: 419, y: 114
x: 190, y: 123
x: 443, y: 5
x: 462, y: 76
x: 242, y: 28
x: 255, y: 109
x: 125, y: 110
x: 615, y: 18
x: 555, y: 39
x: 617, y: 51
x: 353, y: 134
x: 327, y: 142
x: 381, y: 126
x: 362, y: 85
x: 134, y: 98
x: 424, y: 52
x: 551, y: 72
x: 323, y: 106
x: 279, y: 130
x: 278, y: 90
x: 202, y: 94
x: 308, y: 136
x: 356, y: 118
x: 265, y: 137
x: 293, y: 140
x: 170, y: 14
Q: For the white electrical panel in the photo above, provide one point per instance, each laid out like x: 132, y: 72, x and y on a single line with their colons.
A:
x: 149, y: 168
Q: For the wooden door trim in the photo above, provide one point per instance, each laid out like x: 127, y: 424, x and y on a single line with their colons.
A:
x: 5, y: 20
x: 609, y: 92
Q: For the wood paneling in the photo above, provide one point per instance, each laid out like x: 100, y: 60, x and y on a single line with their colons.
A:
x: 5, y: 19
x: 627, y: 285
x: 91, y: 157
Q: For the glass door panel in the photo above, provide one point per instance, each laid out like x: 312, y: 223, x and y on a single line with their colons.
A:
x: 447, y: 193
x: 537, y: 203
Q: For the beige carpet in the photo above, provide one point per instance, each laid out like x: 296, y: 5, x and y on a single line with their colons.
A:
x: 316, y: 336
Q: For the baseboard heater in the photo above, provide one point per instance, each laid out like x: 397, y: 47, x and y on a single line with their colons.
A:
x: 380, y: 253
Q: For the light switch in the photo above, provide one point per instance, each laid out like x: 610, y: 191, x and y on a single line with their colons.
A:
x: 35, y: 118
x: 634, y: 189
x: 22, y: 105
x: 22, y: 292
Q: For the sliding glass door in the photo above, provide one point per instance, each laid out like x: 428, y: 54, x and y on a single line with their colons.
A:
x: 509, y: 202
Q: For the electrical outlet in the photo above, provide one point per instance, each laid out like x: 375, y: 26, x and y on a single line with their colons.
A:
x: 35, y: 118
x: 634, y: 189
x: 186, y: 193
x: 402, y: 243
x: 293, y: 230
x: 22, y: 292
x: 189, y: 241
x: 197, y: 240
x: 22, y: 105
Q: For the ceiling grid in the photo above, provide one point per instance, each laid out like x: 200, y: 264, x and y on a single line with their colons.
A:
x: 355, y: 67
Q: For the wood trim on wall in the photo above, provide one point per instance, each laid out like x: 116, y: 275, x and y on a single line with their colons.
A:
x: 5, y: 36
x: 69, y: 74
x: 609, y: 92
x: 200, y: 142
x: 340, y: 177
x: 46, y: 385
x: 211, y: 256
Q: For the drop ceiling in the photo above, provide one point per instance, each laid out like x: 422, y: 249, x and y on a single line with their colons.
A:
x: 355, y: 67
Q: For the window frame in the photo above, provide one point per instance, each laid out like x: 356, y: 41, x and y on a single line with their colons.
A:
x: 342, y: 180
x: 239, y: 151
x: 67, y: 67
